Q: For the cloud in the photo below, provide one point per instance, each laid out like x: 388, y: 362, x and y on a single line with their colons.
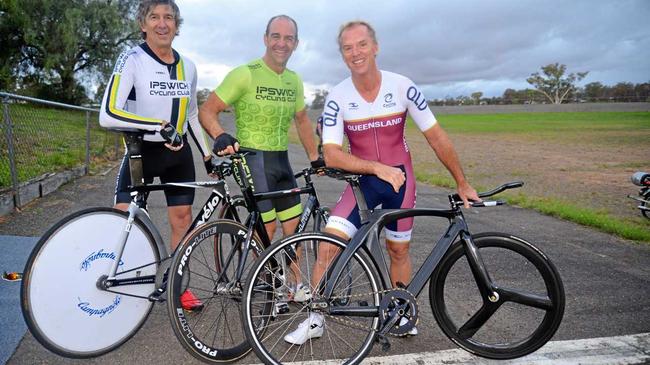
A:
x: 448, y: 48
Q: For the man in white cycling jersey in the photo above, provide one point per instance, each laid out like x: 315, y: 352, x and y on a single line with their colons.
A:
x: 371, y: 107
x: 152, y: 88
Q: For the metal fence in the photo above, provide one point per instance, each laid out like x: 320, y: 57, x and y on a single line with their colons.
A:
x: 45, y: 144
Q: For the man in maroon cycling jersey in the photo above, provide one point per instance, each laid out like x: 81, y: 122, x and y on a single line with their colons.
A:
x: 370, y: 107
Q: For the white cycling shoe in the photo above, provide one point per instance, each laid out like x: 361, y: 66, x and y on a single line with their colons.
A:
x: 312, y: 327
x: 413, y: 331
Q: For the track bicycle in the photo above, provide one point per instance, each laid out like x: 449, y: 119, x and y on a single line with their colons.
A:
x: 213, y: 261
x: 493, y: 294
x: 642, y: 179
x: 92, y: 279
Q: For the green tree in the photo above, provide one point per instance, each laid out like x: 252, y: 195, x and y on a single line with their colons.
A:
x: 66, y: 44
x: 595, y: 91
x: 553, y: 84
x: 623, y: 91
x: 12, y: 23
x: 477, y: 97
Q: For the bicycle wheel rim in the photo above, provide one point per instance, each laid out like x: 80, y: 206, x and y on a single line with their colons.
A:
x: 268, y: 341
x: 84, y: 321
x: 209, y: 334
x: 538, y: 325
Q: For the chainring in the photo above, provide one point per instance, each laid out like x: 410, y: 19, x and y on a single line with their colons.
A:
x: 402, y: 304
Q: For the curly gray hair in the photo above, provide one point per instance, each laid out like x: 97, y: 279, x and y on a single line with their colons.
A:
x: 147, y: 5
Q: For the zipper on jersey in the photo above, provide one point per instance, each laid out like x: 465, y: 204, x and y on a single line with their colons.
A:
x: 281, y: 110
x: 374, y: 129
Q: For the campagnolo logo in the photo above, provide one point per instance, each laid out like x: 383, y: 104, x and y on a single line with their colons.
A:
x: 388, y: 101
x: 87, y: 308
x: 353, y: 106
x: 99, y: 255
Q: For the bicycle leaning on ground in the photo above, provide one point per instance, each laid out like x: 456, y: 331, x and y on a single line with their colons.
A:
x: 642, y: 179
x: 214, y: 259
x: 493, y: 294
x: 92, y: 279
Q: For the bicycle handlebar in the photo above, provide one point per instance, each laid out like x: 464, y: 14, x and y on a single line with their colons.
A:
x: 455, y: 199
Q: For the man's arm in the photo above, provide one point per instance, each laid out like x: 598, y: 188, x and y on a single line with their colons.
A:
x: 209, y: 119
x: 335, y: 157
x: 306, y: 134
x: 444, y: 149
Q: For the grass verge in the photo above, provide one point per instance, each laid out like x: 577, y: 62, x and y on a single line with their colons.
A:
x: 560, y: 209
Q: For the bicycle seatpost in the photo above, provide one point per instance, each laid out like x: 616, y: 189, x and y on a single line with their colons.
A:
x: 134, y: 148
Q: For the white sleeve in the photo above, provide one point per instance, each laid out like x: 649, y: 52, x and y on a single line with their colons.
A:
x: 196, y: 131
x: 112, y: 112
x: 333, y: 121
x: 417, y: 106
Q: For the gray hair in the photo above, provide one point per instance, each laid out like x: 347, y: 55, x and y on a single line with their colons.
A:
x: 354, y: 23
x: 282, y: 16
x: 147, y: 5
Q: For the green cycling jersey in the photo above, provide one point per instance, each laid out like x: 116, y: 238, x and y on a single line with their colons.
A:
x: 265, y: 104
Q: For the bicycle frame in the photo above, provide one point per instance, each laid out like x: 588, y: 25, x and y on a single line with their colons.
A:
x: 372, y: 223
x: 219, y: 193
x: 243, y: 177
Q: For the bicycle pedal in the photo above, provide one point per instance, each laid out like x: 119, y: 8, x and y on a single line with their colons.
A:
x: 385, y: 344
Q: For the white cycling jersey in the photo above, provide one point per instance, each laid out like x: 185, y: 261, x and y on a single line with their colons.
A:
x: 143, y: 91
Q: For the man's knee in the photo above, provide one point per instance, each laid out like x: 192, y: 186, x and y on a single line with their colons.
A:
x: 180, y: 216
x: 398, y: 251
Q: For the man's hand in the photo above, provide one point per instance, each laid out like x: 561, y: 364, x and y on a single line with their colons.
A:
x: 225, y: 144
x: 171, y: 136
x: 467, y: 193
x: 209, y: 166
x: 391, y: 175
x: 318, y: 163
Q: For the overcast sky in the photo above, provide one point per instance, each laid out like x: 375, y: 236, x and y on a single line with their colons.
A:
x: 448, y: 48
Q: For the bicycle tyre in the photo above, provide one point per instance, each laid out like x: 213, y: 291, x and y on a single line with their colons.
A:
x: 520, y: 264
x: 200, y: 333
x: 237, y: 211
x: 263, y: 289
x: 646, y: 196
x: 78, y: 320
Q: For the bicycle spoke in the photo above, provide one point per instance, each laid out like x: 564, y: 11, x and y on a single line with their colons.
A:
x: 529, y: 299
x: 478, y: 320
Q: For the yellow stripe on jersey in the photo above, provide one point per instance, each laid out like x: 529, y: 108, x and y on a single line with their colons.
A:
x: 121, y: 114
x: 184, y: 101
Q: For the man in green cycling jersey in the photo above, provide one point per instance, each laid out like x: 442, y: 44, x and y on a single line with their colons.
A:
x: 266, y: 97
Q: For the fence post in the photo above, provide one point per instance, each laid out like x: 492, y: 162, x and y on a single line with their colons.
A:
x: 10, y: 146
x: 87, y: 142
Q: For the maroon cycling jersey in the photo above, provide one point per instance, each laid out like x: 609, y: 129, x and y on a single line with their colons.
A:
x: 375, y: 132
x: 375, y: 129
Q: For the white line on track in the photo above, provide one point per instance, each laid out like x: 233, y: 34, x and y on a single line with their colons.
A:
x: 620, y: 350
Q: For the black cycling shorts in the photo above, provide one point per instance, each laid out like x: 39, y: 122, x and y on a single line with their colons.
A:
x: 271, y: 171
x: 169, y: 166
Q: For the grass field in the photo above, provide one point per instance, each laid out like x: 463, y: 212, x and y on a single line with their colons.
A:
x: 576, y: 166
x: 49, y: 140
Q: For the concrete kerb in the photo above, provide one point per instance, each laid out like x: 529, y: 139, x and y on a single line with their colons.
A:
x: 36, y: 188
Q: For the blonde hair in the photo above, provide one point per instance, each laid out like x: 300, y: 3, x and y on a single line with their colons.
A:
x: 354, y: 23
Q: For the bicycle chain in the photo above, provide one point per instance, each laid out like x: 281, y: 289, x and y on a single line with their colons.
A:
x: 355, y: 324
